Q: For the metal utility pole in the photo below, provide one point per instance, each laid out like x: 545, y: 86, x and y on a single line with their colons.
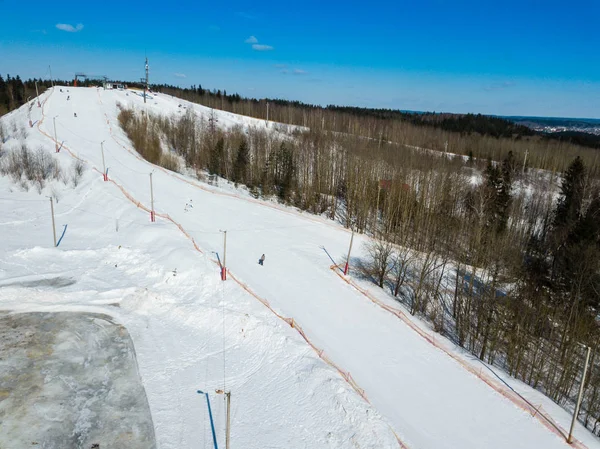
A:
x: 228, y: 428
x: 53, y: 225
x: 224, y: 267
x: 55, y: 138
x: 146, y: 86
x: 152, y: 215
x: 377, y: 206
x: 348, y: 258
x: 267, y: 111
x: 525, y: 160
x: 228, y: 421
x: 104, y: 174
x: 37, y: 95
x: 446, y: 146
x: 576, y: 413
x: 29, y: 106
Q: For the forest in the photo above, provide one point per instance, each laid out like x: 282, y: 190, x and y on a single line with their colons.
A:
x: 492, y: 236
x: 14, y: 92
x: 464, y: 124
x: 500, y: 255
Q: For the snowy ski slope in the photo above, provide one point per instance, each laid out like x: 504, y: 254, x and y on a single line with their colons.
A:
x: 192, y: 331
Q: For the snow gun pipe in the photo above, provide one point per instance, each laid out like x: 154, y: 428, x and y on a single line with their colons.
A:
x: 212, y: 424
x: 509, y: 394
x: 63, y: 234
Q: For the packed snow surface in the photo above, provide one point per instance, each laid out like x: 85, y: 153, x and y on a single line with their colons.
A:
x: 193, y: 331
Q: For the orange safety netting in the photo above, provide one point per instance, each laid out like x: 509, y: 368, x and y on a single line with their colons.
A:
x: 509, y: 394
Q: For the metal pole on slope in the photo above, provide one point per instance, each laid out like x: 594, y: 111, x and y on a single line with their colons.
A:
x: 228, y: 428
x: 525, y: 160
x: 377, y: 205
x: 37, y: 95
x: 53, y: 225
x: 576, y: 413
x: 51, y: 80
x: 29, y: 112
x: 104, y: 175
x: 146, y: 85
x: 224, y: 267
x: 152, y: 218
x: 348, y: 258
x: 228, y: 415
x: 267, y: 111
x: 55, y: 138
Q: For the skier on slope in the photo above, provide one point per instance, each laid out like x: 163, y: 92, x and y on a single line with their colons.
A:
x: 261, y: 260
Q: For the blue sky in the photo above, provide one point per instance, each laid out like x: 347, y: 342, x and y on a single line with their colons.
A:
x: 496, y: 57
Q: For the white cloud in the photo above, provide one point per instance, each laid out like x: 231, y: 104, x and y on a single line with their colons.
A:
x: 180, y: 75
x: 300, y: 72
x: 69, y: 28
x: 259, y: 47
x: 251, y: 40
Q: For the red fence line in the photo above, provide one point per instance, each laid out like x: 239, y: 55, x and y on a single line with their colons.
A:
x: 516, y: 399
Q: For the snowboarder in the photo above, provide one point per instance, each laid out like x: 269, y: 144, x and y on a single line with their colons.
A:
x: 74, y: 114
x: 261, y: 260
x: 68, y: 97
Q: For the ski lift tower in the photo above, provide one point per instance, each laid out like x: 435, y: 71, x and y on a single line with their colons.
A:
x: 81, y: 75
x: 146, y: 83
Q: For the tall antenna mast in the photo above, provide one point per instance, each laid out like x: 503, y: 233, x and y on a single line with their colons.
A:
x: 146, y: 86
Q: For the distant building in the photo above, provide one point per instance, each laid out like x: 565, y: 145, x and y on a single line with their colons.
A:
x: 110, y: 85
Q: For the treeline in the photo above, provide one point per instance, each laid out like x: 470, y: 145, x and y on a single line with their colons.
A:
x: 462, y: 123
x: 578, y: 138
x: 14, y: 92
x: 480, y: 248
x: 416, y: 130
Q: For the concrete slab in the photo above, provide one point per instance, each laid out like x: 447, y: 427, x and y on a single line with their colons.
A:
x: 70, y: 380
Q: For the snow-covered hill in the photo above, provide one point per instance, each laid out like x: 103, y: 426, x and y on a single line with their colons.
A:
x: 311, y: 360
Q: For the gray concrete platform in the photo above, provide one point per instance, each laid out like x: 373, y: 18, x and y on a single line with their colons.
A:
x: 70, y: 380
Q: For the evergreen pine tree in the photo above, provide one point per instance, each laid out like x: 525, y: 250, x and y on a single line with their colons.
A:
x: 569, y: 205
x: 241, y: 163
x: 215, y: 162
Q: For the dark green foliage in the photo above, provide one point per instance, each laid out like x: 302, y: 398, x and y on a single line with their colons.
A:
x: 569, y: 205
x: 217, y: 156
x: 577, y: 137
x: 241, y: 163
x: 284, y: 170
x: 498, y: 194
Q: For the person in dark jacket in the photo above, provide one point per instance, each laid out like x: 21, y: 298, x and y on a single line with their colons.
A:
x: 261, y: 260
